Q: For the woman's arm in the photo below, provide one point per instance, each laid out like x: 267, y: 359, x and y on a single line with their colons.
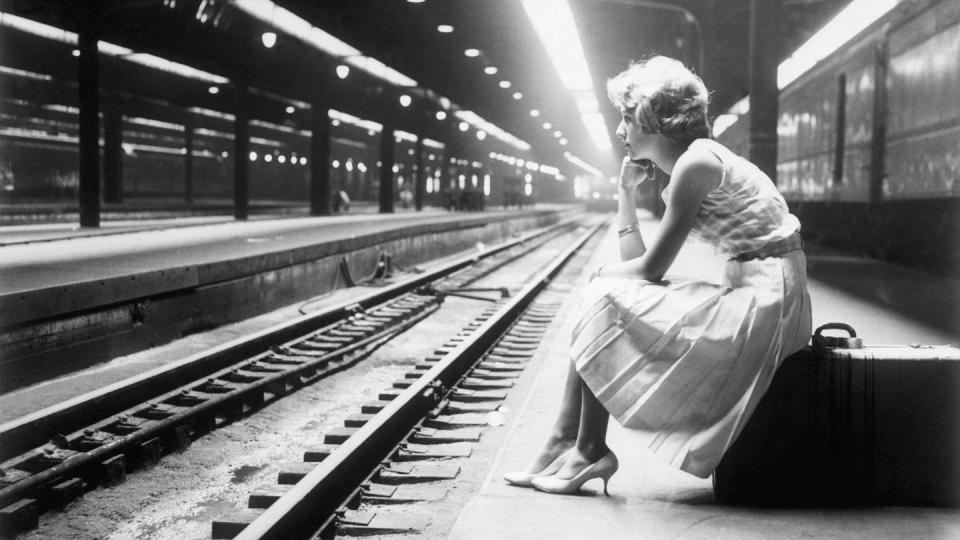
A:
x: 632, y: 174
x: 695, y: 175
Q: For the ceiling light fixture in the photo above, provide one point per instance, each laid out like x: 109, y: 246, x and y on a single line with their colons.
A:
x: 517, y: 95
x: 269, y: 39
x: 490, y: 70
x: 472, y: 53
x: 504, y: 84
x: 444, y: 29
x: 441, y: 115
x: 534, y: 113
x: 343, y: 71
x: 405, y: 100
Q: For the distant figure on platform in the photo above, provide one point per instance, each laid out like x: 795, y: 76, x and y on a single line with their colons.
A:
x: 406, y: 197
x: 341, y: 201
x: 682, y: 362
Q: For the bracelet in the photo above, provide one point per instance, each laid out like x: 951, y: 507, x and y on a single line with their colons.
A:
x: 632, y: 228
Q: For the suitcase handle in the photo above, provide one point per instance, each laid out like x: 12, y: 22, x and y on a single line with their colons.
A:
x: 836, y: 326
x: 833, y: 342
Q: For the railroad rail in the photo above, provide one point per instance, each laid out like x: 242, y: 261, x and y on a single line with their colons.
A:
x: 159, y: 412
x: 364, y: 456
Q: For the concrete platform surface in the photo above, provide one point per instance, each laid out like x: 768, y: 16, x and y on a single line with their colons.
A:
x: 652, y: 500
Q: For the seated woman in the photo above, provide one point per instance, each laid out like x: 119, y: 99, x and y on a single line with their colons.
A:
x: 682, y: 362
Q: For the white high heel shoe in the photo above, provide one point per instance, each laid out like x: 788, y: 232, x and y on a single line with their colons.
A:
x: 524, y: 479
x: 602, y: 468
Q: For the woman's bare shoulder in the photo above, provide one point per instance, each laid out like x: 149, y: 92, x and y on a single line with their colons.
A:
x: 698, y: 165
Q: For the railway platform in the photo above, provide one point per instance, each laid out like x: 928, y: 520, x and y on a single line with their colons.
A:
x: 649, y: 499
x: 72, y: 298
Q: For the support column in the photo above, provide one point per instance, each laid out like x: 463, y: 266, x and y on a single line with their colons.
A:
x: 386, y: 152
x: 320, y: 157
x: 764, y: 95
x: 113, y: 154
x: 89, y: 121
x: 418, y: 182
x: 241, y: 143
x: 188, y: 128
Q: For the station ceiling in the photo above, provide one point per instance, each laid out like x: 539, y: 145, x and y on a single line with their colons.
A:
x: 404, y: 36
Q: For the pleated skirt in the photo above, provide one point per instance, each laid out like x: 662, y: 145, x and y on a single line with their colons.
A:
x: 685, y: 362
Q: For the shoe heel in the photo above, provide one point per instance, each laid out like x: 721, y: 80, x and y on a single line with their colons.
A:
x: 606, y: 479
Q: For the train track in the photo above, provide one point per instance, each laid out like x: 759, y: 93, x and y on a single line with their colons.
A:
x: 363, y: 464
x: 159, y: 412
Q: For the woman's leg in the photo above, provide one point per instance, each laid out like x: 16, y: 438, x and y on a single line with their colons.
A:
x: 591, y: 444
x: 567, y: 425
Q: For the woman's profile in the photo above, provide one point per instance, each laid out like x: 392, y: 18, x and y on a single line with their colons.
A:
x: 682, y: 362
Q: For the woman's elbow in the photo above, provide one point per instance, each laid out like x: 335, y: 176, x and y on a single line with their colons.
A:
x: 655, y: 277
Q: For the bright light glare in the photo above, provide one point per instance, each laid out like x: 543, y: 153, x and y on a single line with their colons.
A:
x: 851, y: 20
x: 582, y: 164
x: 490, y: 70
x: 722, y: 122
x: 291, y: 109
x: 441, y: 115
x: 269, y: 39
x: 472, y: 53
x: 554, y: 24
x: 534, y: 113
x: 481, y: 135
x: 464, y: 126
x: 597, y: 128
x: 504, y: 84
x: 444, y: 29
x: 405, y: 100
x: 517, y: 95
x: 343, y: 71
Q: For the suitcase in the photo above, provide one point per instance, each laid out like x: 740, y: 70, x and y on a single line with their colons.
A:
x: 848, y: 424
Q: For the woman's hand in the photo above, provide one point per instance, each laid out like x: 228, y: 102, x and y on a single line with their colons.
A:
x: 633, y: 173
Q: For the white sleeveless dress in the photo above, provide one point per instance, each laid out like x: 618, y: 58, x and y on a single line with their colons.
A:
x: 685, y: 362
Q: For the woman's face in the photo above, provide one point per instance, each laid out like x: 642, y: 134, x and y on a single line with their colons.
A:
x: 635, y: 140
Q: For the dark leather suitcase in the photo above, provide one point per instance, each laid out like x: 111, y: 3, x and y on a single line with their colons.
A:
x: 847, y: 424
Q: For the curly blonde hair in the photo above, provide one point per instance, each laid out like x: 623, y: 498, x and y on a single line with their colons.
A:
x: 665, y: 97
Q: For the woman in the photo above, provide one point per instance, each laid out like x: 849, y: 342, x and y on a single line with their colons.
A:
x: 682, y: 362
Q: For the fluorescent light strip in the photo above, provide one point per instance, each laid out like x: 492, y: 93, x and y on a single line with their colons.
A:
x: 70, y: 38
x: 37, y: 134
x: 291, y: 24
x: 404, y: 135
x: 433, y: 144
x: 25, y: 74
x: 354, y: 121
x: 851, y: 20
x: 477, y: 121
x: 154, y: 123
x: 212, y: 113
x: 204, y: 132
x: 554, y: 24
x: 282, y: 99
x: 266, y: 142
x: 280, y: 128
x: 582, y: 164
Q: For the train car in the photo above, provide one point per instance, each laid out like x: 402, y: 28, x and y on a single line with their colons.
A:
x: 869, y: 141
